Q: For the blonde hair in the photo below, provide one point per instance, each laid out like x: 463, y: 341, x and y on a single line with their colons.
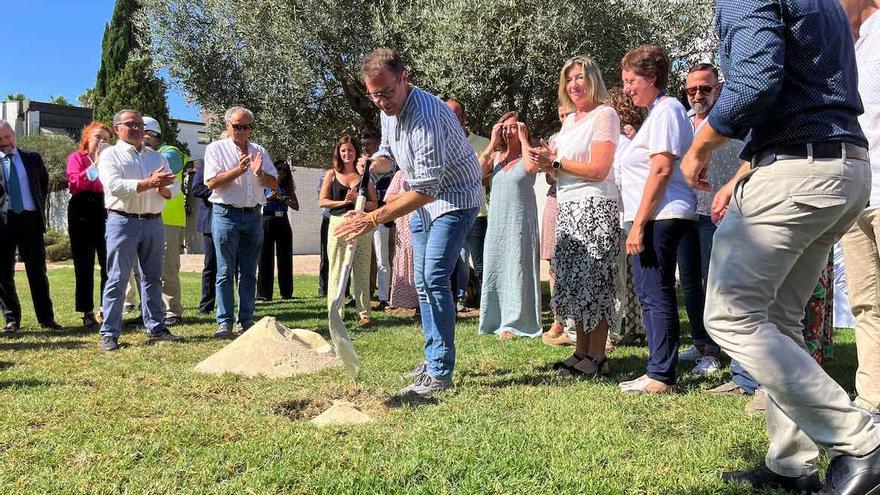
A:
x: 597, y: 93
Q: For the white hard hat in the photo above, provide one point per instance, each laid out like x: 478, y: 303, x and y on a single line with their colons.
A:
x: 151, y: 124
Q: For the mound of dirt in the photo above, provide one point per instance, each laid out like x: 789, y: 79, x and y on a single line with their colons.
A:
x: 272, y: 350
x: 341, y: 413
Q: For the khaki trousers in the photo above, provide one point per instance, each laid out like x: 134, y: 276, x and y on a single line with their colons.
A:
x: 766, y: 257
x: 861, y: 252
x: 171, y: 271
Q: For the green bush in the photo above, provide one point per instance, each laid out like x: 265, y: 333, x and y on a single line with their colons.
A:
x: 57, y: 246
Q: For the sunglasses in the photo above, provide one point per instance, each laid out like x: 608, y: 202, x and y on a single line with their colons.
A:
x: 242, y: 127
x: 702, y: 89
x: 132, y: 124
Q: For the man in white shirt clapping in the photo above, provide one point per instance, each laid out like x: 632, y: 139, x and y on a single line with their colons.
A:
x: 137, y: 183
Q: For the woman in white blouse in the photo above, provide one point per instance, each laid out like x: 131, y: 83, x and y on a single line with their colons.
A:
x: 659, y: 207
x: 587, y: 225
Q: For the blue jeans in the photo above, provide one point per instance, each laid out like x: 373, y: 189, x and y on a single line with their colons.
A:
x: 435, y: 253
x: 743, y: 379
x: 130, y: 240
x: 471, y: 250
x: 238, y: 239
x: 694, y: 252
x: 654, y: 276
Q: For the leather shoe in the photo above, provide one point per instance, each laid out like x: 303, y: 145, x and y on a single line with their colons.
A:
x: 850, y: 475
x: 11, y: 328
x: 762, y: 477
x: 51, y: 325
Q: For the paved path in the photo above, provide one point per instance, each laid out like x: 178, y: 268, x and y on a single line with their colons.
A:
x: 303, y: 264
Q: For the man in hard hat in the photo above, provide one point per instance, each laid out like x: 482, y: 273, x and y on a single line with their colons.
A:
x: 174, y: 219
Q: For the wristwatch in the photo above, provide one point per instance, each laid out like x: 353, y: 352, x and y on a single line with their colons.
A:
x: 557, y: 164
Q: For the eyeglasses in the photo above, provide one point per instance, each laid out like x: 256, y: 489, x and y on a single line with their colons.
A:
x: 385, y: 94
x: 242, y: 127
x: 132, y: 124
x: 702, y: 89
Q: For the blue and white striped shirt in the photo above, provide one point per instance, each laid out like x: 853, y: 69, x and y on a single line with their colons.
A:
x: 427, y: 142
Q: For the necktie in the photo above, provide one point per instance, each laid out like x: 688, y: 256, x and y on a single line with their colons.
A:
x: 16, y: 203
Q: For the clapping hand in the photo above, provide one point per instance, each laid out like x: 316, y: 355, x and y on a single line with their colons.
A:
x: 256, y: 164
x: 351, y: 195
x: 244, y: 161
x: 160, y: 178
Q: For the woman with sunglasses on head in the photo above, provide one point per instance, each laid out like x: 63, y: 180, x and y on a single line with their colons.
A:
x: 86, y: 217
x: 587, y: 229
x: 339, y: 191
x: 510, y: 301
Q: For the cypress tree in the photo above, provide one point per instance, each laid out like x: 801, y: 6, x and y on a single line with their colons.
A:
x: 126, y: 78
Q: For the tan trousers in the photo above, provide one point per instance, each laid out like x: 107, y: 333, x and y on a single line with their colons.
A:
x: 861, y: 252
x: 766, y: 257
x: 171, y: 271
x: 360, y: 268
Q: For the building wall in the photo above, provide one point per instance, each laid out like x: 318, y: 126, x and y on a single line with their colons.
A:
x: 191, y: 134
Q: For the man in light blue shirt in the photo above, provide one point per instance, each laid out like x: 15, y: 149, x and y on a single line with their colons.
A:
x: 422, y: 136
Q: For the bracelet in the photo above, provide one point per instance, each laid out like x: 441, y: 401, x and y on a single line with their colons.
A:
x: 373, y: 220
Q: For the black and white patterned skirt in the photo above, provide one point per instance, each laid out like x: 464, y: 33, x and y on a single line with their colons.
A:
x: 585, y: 262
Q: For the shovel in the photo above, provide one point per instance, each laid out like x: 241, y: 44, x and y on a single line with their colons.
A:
x: 338, y: 333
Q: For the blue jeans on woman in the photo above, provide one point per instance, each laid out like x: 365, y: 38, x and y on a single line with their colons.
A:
x: 436, y: 249
x: 654, y: 275
x: 238, y: 239
x: 694, y: 252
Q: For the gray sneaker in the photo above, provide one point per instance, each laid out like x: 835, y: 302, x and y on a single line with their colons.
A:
x: 416, y: 372
x: 109, y: 343
x: 425, y: 386
x: 223, y: 332
x: 243, y: 327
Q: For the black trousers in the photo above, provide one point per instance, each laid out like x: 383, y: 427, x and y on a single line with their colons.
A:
x: 325, y: 263
x: 209, y: 276
x: 277, y: 239
x: 86, y: 219
x: 23, y: 231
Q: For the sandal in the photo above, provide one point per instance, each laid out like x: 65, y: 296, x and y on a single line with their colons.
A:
x: 568, y: 362
x: 587, y: 368
x: 506, y: 335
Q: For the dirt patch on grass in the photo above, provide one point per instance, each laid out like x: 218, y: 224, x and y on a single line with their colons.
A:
x: 302, y: 409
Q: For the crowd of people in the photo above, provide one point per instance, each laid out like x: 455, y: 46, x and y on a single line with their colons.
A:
x: 738, y: 201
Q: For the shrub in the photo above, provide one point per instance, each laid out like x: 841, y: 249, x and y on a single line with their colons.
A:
x: 57, y: 246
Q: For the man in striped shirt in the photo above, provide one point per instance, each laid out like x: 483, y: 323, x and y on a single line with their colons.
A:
x: 422, y: 136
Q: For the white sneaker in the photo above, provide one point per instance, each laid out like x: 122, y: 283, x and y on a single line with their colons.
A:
x: 691, y: 354
x: 706, y: 365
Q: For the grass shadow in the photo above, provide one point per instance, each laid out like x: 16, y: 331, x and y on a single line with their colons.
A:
x: 411, y: 401
x: 4, y: 384
x: 26, y: 346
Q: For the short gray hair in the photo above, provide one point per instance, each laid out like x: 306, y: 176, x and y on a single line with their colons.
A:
x: 233, y: 110
x: 117, y: 117
x: 4, y: 123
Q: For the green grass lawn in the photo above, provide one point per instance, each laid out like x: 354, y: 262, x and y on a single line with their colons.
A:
x: 141, y: 421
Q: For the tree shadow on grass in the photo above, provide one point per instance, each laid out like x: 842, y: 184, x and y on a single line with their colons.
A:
x: 29, y: 346
x: 6, y: 365
x: 5, y: 384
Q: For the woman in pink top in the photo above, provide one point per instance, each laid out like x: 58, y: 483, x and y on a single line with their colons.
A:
x: 86, y: 217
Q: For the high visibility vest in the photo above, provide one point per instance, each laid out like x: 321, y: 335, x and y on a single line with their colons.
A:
x: 174, y: 214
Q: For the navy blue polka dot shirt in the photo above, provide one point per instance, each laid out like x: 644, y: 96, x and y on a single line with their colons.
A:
x: 790, y: 74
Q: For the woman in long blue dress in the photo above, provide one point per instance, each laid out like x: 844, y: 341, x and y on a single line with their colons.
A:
x: 510, y: 302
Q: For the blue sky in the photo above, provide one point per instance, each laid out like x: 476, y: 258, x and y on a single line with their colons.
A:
x: 53, y: 47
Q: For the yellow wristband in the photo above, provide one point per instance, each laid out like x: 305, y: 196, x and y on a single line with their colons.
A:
x: 373, y: 220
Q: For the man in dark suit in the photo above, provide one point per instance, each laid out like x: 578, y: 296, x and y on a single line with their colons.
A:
x: 26, y: 183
